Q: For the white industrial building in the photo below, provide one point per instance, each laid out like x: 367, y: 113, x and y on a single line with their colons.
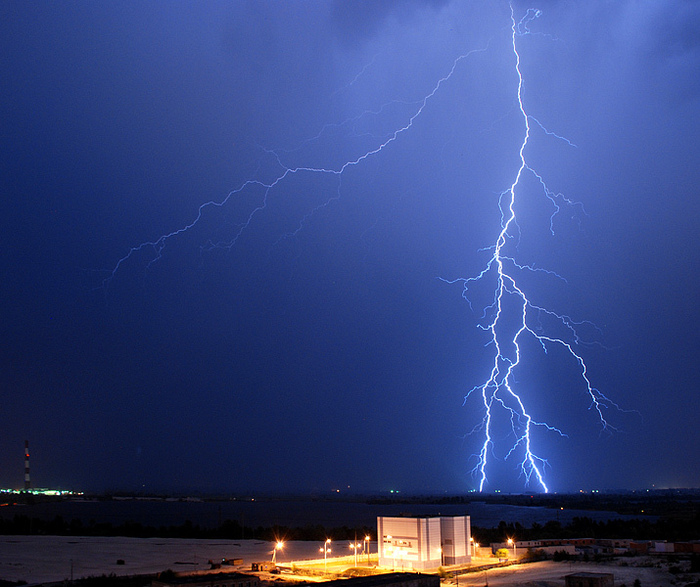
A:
x: 423, y: 542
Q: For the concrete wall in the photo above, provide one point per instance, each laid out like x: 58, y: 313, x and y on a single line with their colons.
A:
x: 456, y: 534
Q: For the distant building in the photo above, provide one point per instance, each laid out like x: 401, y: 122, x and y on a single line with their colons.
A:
x: 669, y: 547
x: 615, y: 545
x: 589, y: 580
x: 263, y: 566
x: 423, y: 542
x: 550, y: 545
x: 208, y: 580
x: 641, y: 546
x: 693, y: 547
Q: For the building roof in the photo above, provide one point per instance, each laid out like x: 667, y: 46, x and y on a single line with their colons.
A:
x: 379, y: 580
x: 211, y: 577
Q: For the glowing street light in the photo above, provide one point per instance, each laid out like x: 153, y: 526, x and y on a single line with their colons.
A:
x: 367, y: 549
x: 325, y: 549
x: 278, y: 546
x: 475, y: 545
x: 354, y: 546
x: 515, y: 551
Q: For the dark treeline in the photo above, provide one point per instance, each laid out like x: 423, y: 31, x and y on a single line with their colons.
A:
x: 670, y: 528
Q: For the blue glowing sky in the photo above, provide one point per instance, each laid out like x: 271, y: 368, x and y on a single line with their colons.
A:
x: 322, y: 350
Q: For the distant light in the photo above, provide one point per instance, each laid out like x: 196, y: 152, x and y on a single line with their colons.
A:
x: 39, y: 491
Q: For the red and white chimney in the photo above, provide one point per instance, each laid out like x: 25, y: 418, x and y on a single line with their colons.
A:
x: 27, y: 483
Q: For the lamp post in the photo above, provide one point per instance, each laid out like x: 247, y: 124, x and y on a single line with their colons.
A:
x: 354, y: 546
x: 278, y: 546
x: 367, y: 549
x: 515, y: 550
x: 325, y: 549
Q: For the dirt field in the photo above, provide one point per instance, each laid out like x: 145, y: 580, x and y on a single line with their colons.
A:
x: 551, y: 574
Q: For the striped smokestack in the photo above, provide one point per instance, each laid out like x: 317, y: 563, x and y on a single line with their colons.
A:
x: 27, y: 483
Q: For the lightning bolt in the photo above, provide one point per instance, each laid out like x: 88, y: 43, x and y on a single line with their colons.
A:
x: 157, y: 246
x: 509, y: 318
x: 512, y: 316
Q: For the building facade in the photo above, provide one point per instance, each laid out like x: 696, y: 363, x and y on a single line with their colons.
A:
x: 589, y: 580
x: 418, y: 543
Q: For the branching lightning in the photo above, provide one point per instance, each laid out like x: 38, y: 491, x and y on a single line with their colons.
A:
x: 512, y: 315
x: 158, y: 245
x: 509, y: 318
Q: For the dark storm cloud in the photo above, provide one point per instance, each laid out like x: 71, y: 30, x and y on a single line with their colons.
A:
x: 676, y: 27
x: 674, y: 46
x: 357, y: 21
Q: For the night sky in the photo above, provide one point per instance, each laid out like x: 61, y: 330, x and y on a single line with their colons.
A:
x: 301, y: 338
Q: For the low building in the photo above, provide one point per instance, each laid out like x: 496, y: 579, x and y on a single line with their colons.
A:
x: 615, y: 545
x: 686, y: 547
x: 423, y: 542
x: 641, y: 546
x: 589, y: 580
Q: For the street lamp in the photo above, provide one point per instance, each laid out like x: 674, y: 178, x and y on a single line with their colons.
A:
x: 325, y: 549
x: 278, y: 546
x: 515, y: 550
x: 367, y: 549
x: 355, y: 546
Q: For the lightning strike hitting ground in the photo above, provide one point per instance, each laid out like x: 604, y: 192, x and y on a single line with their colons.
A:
x: 512, y: 315
x: 508, y: 319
